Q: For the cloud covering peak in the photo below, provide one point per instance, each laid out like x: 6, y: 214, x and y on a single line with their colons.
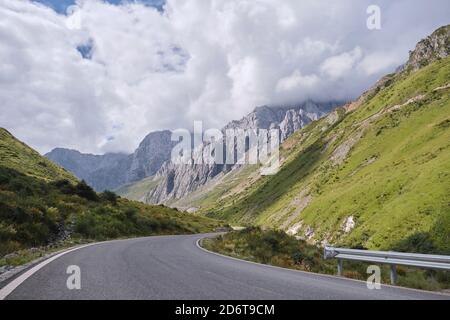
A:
x: 102, y: 76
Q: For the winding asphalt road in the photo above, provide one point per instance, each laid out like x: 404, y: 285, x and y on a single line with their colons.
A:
x: 173, y: 267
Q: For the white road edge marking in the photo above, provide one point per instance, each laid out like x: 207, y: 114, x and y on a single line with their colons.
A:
x: 319, y: 275
x: 10, y: 287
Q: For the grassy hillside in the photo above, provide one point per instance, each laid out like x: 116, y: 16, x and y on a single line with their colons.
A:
x: 40, y: 203
x: 376, y: 177
x: 16, y: 155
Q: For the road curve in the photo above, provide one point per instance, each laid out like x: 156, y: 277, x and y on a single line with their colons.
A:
x: 173, y: 267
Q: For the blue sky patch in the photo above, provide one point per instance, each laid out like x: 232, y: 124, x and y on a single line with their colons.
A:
x: 86, y: 50
x: 61, y: 6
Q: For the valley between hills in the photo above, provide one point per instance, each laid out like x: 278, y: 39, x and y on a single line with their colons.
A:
x: 373, y: 173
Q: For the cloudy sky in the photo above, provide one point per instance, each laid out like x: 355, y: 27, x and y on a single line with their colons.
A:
x: 100, y: 75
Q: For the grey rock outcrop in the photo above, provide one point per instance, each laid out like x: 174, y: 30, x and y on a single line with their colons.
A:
x: 287, y: 118
x: 152, y: 152
x: 434, y: 47
x: 178, y: 180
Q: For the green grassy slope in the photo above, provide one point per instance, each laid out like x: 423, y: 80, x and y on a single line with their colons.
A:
x: 16, y: 155
x: 376, y: 177
x: 40, y: 203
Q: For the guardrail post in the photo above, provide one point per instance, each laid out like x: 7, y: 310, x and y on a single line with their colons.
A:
x: 427, y: 261
x: 339, y: 267
x: 393, y: 274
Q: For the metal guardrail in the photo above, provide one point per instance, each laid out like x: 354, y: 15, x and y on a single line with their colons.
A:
x: 427, y: 261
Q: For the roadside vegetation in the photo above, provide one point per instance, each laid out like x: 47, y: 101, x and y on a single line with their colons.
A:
x: 34, y: 213
x: 275, y: 247
x: 384, y: 166
x: 44, y: 208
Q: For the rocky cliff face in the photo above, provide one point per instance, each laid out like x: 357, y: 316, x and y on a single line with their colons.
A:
x: 287, y: 119
x: 152, y: 152
x: 112, y: 170
x: 87, y: 166
x: 434, y: 47
x: 178, y: 180
x: 152, y: 157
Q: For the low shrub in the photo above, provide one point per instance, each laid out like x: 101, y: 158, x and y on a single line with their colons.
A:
x: 277, y: 248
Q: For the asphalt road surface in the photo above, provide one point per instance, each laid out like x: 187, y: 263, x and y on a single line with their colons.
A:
x: 173, y: 267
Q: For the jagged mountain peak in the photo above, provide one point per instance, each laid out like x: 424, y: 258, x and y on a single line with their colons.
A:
x: 271, y: 116
x: 155, y: 135
x: 435, y: 46
x: 176, y: 181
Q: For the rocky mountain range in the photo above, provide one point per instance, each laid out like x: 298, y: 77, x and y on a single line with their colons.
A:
x: 152, y: 157
x: 286, y: 118
x: 176, y: 181
x: 166, y: 182
x: 112, y: 170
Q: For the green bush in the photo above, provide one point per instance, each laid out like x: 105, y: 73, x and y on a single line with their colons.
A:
x: 272, y: 247
x: 109, y: 196
x: 85, y: 191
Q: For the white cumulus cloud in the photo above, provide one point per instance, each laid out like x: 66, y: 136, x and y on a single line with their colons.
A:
x: 102, y: 77
x: 340, y: 65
